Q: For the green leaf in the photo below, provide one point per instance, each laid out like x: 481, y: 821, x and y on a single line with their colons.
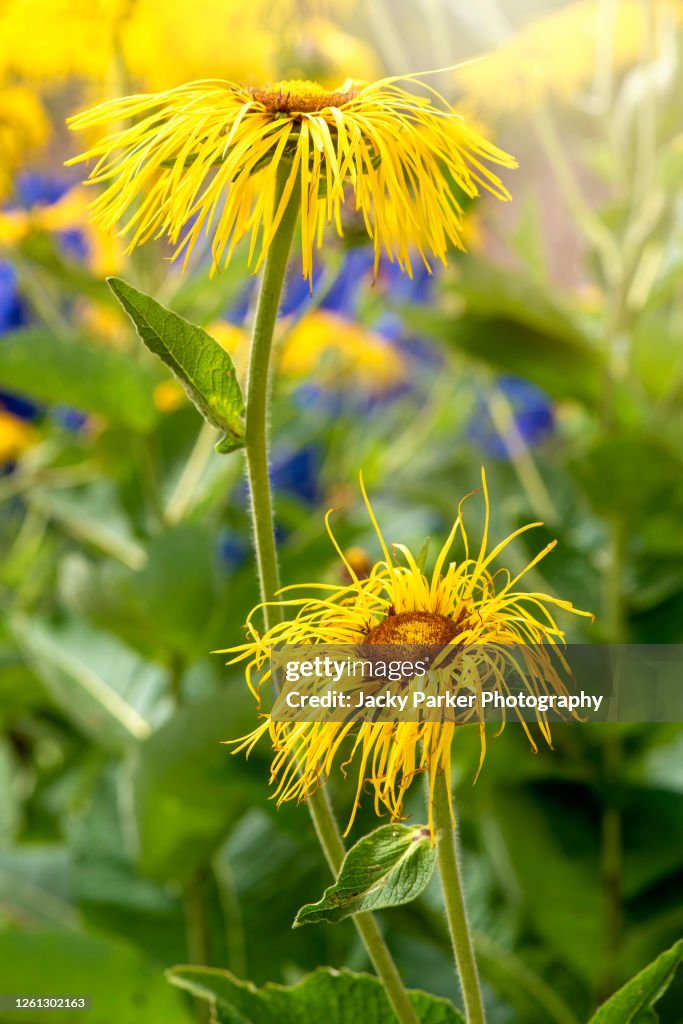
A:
x: 123, y: 985
x: 103, y: 687
x: 91, y: 378
x: 35, y: 885
x: 111, y: 895
x: 634, y: 1002
x: 627, y: 476
x: 10, y: 806
x: 560, y: 894
x: 199, y: 362
x: 337, y: 997
x: 512, y: 325
x: 535, y: 1000
x: 386, y: 868
x: 140, y: 606
x: 187, y: 787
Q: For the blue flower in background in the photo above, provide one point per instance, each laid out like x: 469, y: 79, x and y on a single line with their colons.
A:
x: 295, y: 472
x: 345, y: 290
x: 34, y: 189
x: 403, y: 289
x: 12, y: 308
x: 68, y: 418
x: 73, y: 244
x: 233, y: 549
x: 531, y: 410
x: 13, y: 315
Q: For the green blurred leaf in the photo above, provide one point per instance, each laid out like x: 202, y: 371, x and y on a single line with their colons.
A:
x: 91, y: 378
x: 386, y: 868
x: 626, y: 476
x: 35, y: 886
x: 536, y: 1001
x: 634, y: 1002
x: 499, y: 291
x: 104, y: 688
x: 337, y: 997
x: 166, y: 607
x: 561, y: 893
x: 125, y: 987
x: 648, y: 812
x: 511, y: 325
x: 10, y: 808
x: 188, y: 788
x: 205, y: 369
x: 111, y: 895
x: 93, y: 515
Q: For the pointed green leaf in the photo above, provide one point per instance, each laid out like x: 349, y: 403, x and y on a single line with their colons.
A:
x: 389, y: 867
x: 634, y: 1002
x: 203, y: 367
x: 337, y: 997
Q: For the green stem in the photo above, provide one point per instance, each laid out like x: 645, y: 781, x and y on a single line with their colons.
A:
x: 454, y: 899
x: 258, y: 390
x: 328, y: 834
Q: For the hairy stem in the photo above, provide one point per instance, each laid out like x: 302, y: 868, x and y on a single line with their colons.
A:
x: 454, y: 899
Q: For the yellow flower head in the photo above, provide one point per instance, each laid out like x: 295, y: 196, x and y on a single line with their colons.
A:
x: 470, y: 603
x: 208, y: 157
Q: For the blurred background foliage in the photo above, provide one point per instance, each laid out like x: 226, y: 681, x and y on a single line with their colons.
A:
x: 552, y: 352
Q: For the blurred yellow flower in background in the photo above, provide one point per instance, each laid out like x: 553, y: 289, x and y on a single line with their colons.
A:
x: 325, y: 347
x: 68, y: 213
x: 557, y: 54
x: 335, y: 350
x: 24, y: 130
x: 15, y: 436
x: 47, y: 41
x: 158, y: 44
x: 208, y: 156
x: 465, y: 603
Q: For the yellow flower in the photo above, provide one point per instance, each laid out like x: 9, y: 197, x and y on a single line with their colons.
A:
x: 49, y: 40
x: 160, y: 43
x: 557, y: 54
x: 470, y: 603
x: 167, y: 42
x: 24, y: 129
x: 70, y: 211
x: 15, y: 436
x: 169, y: 395
x: 337, y: 349
x: 206, y: 157
x: 324, y: 345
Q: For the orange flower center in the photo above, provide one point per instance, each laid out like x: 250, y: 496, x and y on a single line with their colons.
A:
x: 413, y: 628
x: 299, y: 97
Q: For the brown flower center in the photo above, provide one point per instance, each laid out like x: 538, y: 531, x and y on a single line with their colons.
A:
x: 413, y: 628
x: 299, y: 97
